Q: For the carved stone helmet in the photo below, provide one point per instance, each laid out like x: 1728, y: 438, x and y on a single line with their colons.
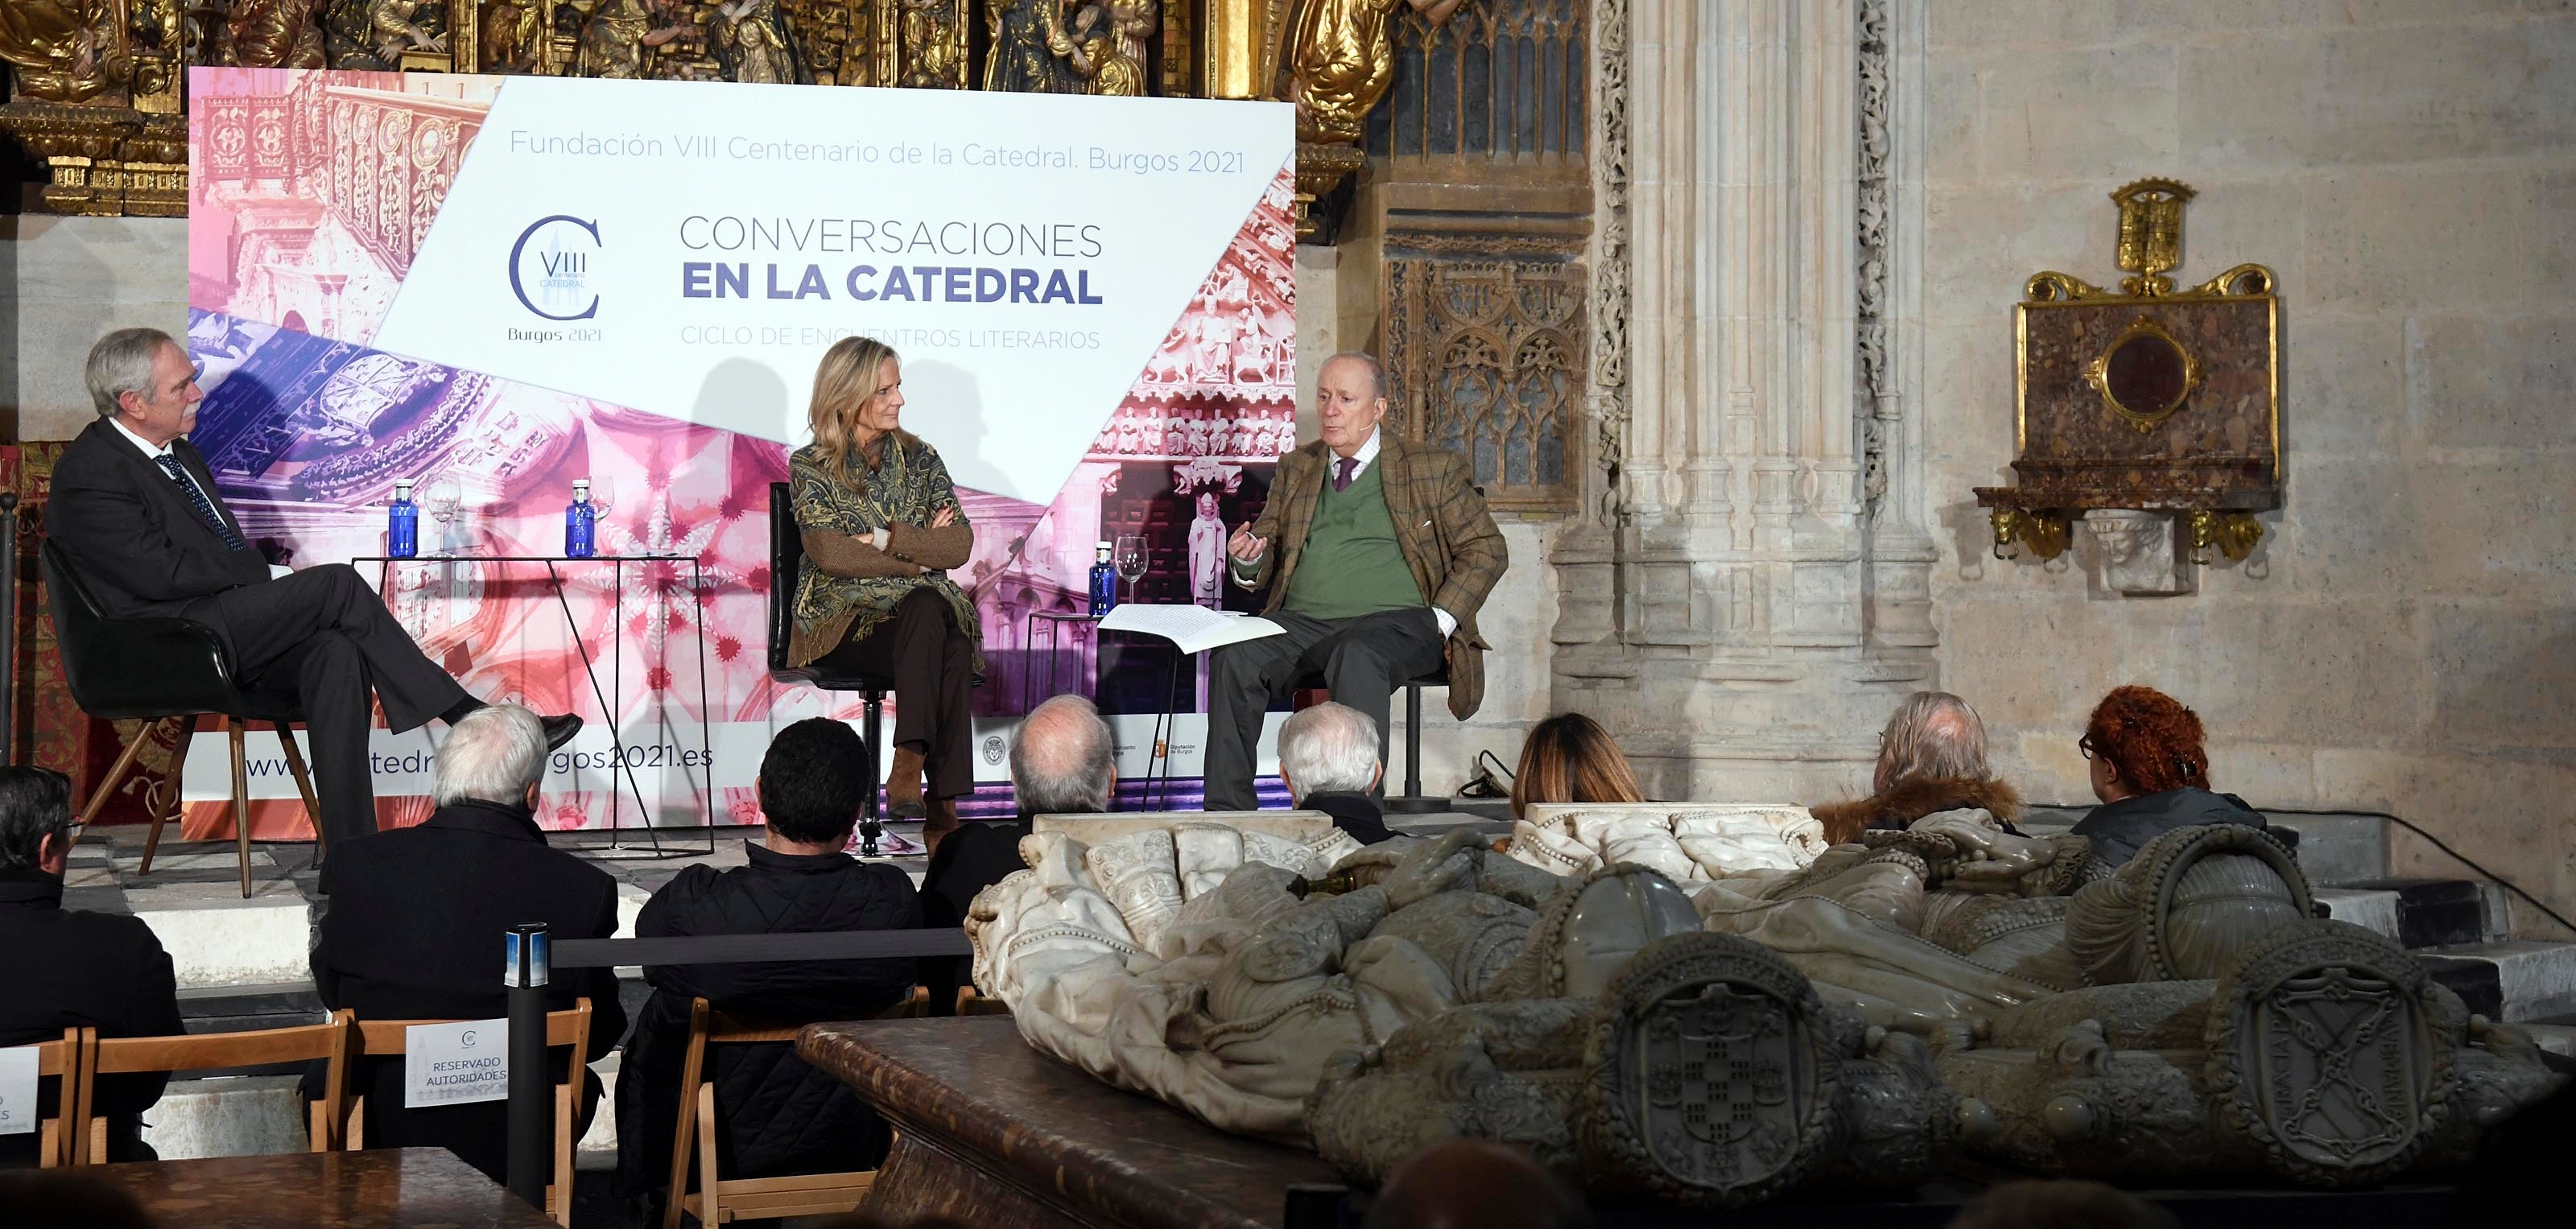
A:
x: 1590, y: 929
x: 2185, y: 906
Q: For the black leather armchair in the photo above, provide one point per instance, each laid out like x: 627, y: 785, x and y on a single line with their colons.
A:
x: 786, y: 555
x: 159, y: 668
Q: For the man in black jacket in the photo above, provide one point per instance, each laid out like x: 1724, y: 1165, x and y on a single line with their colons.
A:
x: 774, y: 1114
x: 1063, y: 762
x: 135, y: 508
x: 1328, y: 760
x: 414, y: 927
x: 64, y: 968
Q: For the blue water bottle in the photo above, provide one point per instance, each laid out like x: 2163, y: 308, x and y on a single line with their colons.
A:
x: 1104, y: 583
x: 581, y: 523
x: 402, y: 522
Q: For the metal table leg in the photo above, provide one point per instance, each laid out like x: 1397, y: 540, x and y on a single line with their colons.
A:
x: 607, y: 711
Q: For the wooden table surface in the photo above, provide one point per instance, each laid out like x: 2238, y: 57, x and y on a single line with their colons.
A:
x: 993, y: 1133
x: 391, y: 1188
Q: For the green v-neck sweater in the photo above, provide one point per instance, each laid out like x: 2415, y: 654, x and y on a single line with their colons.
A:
x: 1351, y: 565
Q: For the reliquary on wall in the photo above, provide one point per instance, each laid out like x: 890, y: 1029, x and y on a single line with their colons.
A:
x: 2148, y: 413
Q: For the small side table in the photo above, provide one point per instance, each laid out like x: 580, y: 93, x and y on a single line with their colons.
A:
x: 619, y: 761
x: 1055, y: 623
x: 1166, y: 721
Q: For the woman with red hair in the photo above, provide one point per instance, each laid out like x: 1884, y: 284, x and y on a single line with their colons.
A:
x: 2151, y: 773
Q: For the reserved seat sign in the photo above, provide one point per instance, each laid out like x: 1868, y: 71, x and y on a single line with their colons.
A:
x: 18, y: 1090
x: 452, y: 1064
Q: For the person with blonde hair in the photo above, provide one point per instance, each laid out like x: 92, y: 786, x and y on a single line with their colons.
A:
x: 1570, y: 758
x: 881, y: 526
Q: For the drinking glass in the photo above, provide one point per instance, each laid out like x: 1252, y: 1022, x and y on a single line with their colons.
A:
x: 444, y: 498
x: 1129, y: 558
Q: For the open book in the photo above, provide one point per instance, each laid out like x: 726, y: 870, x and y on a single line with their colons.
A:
x: 1196, y: 629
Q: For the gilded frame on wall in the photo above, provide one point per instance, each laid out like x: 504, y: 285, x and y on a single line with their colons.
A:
x: 2146, y: 399
x: 2217, y: 446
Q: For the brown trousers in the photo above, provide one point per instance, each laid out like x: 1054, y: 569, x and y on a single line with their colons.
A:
x: 932, y: 665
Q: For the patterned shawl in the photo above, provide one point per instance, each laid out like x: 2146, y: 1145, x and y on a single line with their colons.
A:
x: 908, y: 485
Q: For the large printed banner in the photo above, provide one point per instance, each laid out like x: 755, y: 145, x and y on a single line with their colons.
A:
x: 494, y: 286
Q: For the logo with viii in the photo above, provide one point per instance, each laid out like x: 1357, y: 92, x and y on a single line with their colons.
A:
x: 551, y: 266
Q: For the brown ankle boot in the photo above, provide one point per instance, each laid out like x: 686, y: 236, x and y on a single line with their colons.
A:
x: 941, y: 821
x: 903, y: 785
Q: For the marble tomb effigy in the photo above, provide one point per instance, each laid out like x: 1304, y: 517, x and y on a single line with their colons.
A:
x: 1704, y: 1005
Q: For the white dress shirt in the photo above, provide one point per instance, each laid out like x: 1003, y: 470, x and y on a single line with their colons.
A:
x: 1365, y: 457
x: 154, y: 455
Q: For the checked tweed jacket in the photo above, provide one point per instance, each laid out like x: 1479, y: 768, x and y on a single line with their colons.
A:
x: 1441, y: 526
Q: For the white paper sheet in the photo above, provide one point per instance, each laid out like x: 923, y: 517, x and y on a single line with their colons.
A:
x: 1196, y: 629
x: 18, y: 1090
x: 449, y: 1064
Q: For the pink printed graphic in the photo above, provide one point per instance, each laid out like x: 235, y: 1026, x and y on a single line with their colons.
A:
x: 309, y: 192
x: 312, y: 192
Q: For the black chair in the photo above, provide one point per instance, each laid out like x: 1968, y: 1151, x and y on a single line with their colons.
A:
x: 1411, y: 801
x: 786, y: 554
x: 159, y: 668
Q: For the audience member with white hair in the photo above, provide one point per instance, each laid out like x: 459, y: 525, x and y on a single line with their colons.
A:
x: 1063, y: 762
x: 1931, y: 758
x: 414, y: 928
x: 1328, y: 760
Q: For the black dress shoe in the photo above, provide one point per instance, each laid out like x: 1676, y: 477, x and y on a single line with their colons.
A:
x: 560, y: 729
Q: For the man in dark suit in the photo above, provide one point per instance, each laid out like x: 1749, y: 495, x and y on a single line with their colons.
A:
x: 1328, y: 760
x: 136, y: 510
x: 65, y: 968
x: 1378, y: 553
x: 414, y: 927
x: 775, y: 1114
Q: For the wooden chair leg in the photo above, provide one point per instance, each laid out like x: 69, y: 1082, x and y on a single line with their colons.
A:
x: 171, y: 805
x: 238, y: 728
x: 559, y: 1201
x: 710, y: 1207
x: 304, y: 786
x: 116, y: 773
x: 692, y: 1065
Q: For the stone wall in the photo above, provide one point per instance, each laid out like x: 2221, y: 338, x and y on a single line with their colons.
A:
x: 1335, y: 315
x: 69, y: 280
x: 2405, y: 637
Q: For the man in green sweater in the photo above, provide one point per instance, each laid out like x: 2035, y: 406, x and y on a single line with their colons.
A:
x: 1378, y: 554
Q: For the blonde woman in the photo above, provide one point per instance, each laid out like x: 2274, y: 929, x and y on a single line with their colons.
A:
x: 881, y: 526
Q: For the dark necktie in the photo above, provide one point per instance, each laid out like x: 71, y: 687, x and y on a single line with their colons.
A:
x: 197, y: 499
x: 1342, y: 473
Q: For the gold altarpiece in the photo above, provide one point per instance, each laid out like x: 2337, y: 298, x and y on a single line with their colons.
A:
x: 1477, y: 205
x: 95, y: 88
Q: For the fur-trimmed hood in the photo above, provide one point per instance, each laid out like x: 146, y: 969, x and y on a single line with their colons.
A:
x: 1912, y: 800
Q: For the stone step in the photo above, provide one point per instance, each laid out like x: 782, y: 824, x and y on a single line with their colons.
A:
x: 2422, y: 913
x: 255, y: 1115
x: 2516, y: 981
x: 2558, y: 1039
x: 2335, y: 850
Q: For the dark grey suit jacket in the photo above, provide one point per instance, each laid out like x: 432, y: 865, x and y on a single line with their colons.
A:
x: 132, y: 533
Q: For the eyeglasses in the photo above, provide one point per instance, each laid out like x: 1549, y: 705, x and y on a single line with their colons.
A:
x: 2085, y: 745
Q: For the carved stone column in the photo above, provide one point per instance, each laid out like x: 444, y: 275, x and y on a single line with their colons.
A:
x: 1725, y: 613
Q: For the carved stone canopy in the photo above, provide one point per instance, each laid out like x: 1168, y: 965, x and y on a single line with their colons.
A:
x: 2145, y: 398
